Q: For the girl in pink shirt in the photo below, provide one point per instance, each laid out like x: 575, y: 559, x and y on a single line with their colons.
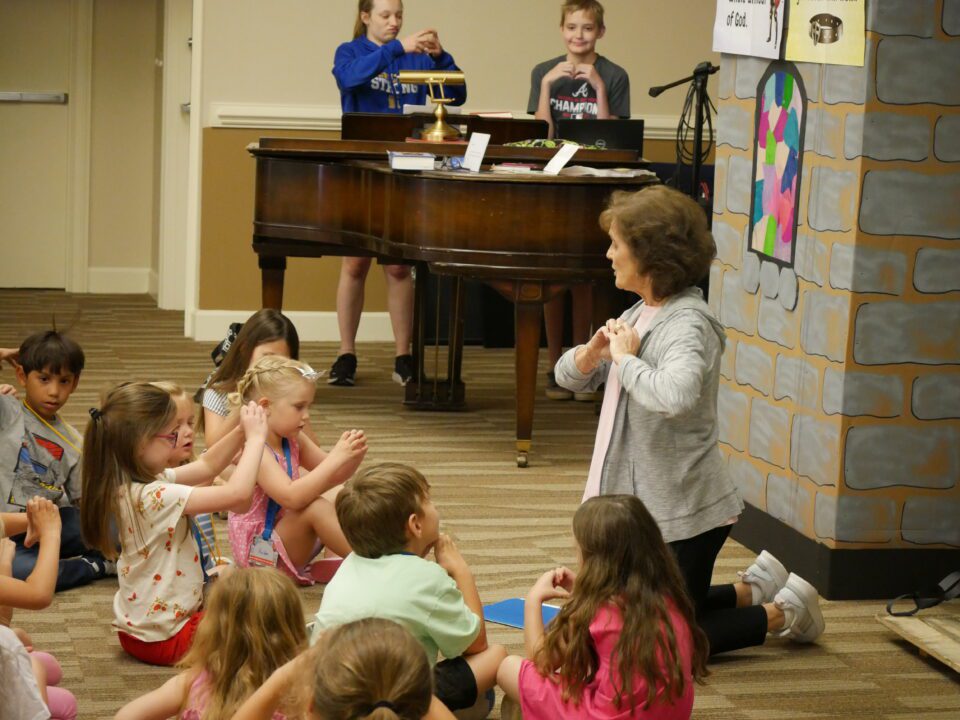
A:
x: 625, y: 644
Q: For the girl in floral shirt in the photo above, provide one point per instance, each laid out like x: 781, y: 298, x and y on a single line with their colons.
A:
x: 128, y: 491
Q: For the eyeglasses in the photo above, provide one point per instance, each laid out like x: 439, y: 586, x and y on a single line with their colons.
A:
x: 171, y: 437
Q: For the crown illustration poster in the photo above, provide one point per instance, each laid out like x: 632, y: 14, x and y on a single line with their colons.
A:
x: 826, y: 31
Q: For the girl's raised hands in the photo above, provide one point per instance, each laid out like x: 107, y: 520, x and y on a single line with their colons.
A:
x: 43, y: 521
x: 254, y: 422
x: 556, y: 583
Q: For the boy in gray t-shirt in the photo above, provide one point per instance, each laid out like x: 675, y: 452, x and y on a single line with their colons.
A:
x: 580, y: 84
x: 40, y: 453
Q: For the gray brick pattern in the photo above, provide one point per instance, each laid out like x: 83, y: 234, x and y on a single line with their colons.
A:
x: 777, y: 324
x: 855, y: 519
x: 754, y: 367
x: 811, y: 259
x: 931, y: 520
x: 878, y: 456
x: 797, y: 380
x: 734, y: 127
x: 729, y: 243
x: 727, y: 76
x: 858, y: 393
x: 720, y: 185
x: 769, y: 279
x: 739, y: 184
x: 951, y: 17
x: 738, y: 310
x: 732, y: 410
x: 769, y: 431
x: 903, y: 202
x: 786, y: 501
x: 749, y: 72
x: 815, y: 449
x: 946, y: 139
x: 810, y: 73
x: 824, y: 326
x: 829, y: 139
x: 898, y: 332
x: 750, y: 275
x: 902, y: 17
x: 728, y: 359
x: 844, y: 84
x: 936, y: 397
x: 867, y: 270
x: 716, y: 284
x: 832, y: 201
x: 811, y: 129
x: 887, y: 136
x: 749, y: 481
x: 911, y: 70
x: 789, y: 289
x: 937, y: 271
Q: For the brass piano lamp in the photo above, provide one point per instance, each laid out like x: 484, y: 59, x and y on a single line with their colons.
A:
x: 440, y: 130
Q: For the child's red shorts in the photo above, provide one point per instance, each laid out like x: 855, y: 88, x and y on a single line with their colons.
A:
x: 163, y: 652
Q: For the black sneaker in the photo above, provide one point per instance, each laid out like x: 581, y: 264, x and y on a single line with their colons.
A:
x: 344, y: 370
x: 403, y: 369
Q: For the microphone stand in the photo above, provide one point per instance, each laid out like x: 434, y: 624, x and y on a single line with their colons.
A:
x: 702, y: 102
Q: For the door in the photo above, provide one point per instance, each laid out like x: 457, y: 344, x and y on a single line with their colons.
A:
x: 35, y: 55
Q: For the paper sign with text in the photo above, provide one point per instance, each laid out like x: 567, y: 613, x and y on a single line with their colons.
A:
x: 749, y: 27
x: 827, y: 31
x: 473, y: 157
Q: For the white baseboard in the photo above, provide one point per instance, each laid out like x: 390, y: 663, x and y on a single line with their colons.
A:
x: 311, y: 326
x: 119, y: 280
x: 153, y: 284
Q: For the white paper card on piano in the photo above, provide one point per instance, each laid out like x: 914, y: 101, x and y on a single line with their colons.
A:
x: 562, y: 157
x: 476, y: 149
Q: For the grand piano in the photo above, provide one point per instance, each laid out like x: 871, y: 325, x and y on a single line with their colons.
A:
x: 527, y: 236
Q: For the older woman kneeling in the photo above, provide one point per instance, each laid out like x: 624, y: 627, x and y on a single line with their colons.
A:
x: 657, y: 436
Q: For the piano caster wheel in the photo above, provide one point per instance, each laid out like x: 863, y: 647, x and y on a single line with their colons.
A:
x: 521, y: 460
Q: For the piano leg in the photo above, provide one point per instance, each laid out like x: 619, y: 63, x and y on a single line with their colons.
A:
x: 271, y: 280
x: 529, y: 312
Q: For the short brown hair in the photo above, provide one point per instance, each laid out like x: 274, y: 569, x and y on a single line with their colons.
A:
x: 374, y: 506
x: 591, y: 7
x: 667, y: 233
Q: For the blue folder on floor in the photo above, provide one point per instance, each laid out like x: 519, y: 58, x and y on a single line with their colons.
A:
x: 510, y: 612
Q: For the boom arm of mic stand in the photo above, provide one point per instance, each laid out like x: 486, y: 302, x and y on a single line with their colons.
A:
x: 703, y: 69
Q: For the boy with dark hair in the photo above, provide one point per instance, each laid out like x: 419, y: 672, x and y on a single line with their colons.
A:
x: 40, y: 452
x: 391, y: 524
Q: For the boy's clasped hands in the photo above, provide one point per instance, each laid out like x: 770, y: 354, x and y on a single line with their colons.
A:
x: 574, y: 71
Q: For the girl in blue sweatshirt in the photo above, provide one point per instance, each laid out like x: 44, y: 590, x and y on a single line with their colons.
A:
x: 366, y: 68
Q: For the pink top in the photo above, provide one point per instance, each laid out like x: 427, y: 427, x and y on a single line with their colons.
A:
x: 540, y: 697
x: 611, y: 396
x: 243, y: 528
x: 199, y: 695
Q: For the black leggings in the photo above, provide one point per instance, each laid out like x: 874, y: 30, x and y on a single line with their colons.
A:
x: 727, y: 627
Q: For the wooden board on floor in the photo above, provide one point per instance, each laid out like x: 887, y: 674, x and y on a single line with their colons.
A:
x: 936, y: 635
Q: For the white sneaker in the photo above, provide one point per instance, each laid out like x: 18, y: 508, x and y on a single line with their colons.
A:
x: 801, y: 607
x: 767, y: 575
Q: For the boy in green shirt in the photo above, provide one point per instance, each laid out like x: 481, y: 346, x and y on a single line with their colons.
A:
x: 391, y: 524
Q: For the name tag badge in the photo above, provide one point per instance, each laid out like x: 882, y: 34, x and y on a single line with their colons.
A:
x: 262, y: 552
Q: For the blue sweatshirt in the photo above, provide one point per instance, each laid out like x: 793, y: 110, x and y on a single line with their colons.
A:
x: 366, y: 74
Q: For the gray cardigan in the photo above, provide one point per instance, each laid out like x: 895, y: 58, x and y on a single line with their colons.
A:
x: 663, y: 446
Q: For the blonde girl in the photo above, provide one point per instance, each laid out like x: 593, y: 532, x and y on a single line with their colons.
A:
x: 253, y: 624
x: 625, y: 644
x: 372, y: 669
x: 27, y: 690
x: 266, y: 332
x: 127, y: 486
x: 290, y: 516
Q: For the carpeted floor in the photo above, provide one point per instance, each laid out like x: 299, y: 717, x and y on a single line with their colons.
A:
x: 511, y: 524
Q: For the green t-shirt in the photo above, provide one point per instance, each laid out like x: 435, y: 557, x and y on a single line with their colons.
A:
x: 407, y: 589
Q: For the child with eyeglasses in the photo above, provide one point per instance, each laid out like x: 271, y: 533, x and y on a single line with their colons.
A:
x: 291, y: 515
x: 129, y: 491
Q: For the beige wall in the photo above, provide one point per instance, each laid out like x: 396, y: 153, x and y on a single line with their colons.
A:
x: 122, y: 134
x: 283, y: 53
x: 282, y: 59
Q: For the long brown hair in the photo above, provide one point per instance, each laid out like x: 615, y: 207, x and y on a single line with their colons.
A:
x: 252, y: 624
x: 359, y: 27
x: 129, y: 414
x: 372, y: 669
x: 624, y: 562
